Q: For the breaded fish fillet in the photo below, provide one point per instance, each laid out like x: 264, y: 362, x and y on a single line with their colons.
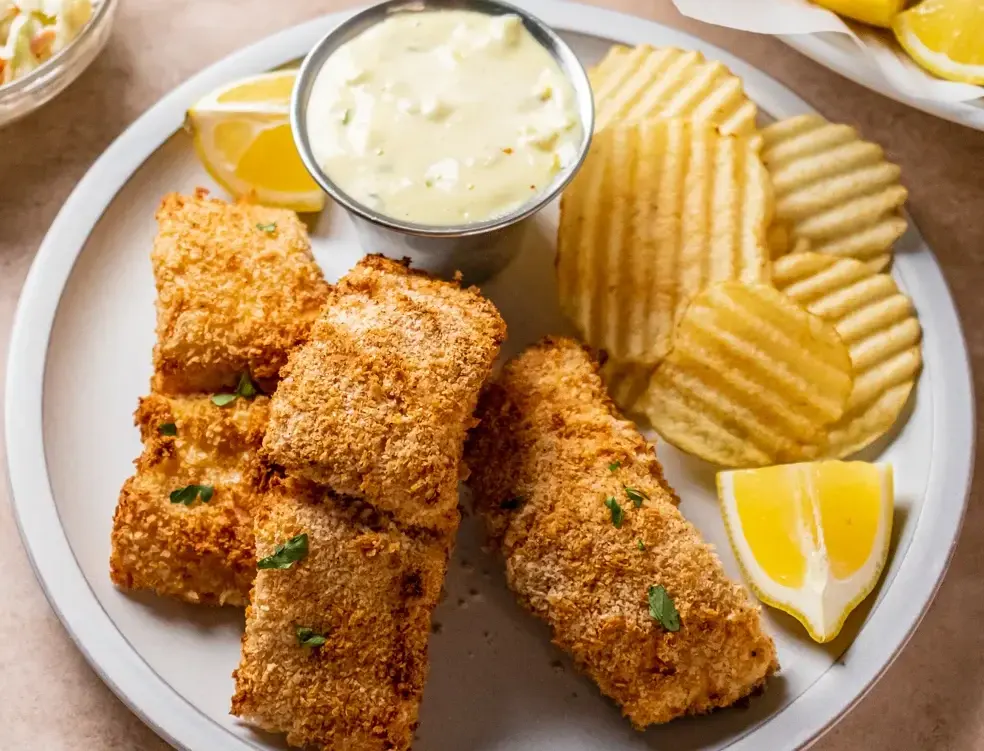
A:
x: 368, y: 588
x: 200, y: 551
x: 548, y: 452
x: 237, y: 289
x: 377, y: 404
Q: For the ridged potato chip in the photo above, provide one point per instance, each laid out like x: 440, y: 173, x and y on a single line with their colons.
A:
x: 659, y: 210
x: 626, y: 384
x: 637, y: 83
x: 834, y: 190
x: 753, y: 379
x: 879, y: 326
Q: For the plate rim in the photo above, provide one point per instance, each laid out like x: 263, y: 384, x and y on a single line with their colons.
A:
x: 830, y: 56
x: 153, y: 700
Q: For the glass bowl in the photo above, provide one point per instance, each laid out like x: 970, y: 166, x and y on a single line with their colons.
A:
x: 24, y: 95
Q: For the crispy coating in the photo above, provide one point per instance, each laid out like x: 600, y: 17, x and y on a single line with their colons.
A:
x: 369, y: 588
x: 547, y: 436
x: 377, y: 404
x: 231, y: 297
x: 202, y: 553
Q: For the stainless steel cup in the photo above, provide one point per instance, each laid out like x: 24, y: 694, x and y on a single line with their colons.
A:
x: 477, y: 250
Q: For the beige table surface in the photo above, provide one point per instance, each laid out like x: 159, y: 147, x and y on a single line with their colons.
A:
x: 932, y: 698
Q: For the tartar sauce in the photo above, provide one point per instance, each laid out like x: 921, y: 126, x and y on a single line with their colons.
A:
x: 443, y: 117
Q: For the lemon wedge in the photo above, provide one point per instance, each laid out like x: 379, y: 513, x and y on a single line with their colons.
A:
x: 874, y: 12
x: 812, y: 538
x: 242, y: 135
x: 946, y: 37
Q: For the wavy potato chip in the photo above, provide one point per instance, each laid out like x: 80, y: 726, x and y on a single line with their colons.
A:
x: 659, y: 210
x: 753, y: 379
x: 626, y: 384
x: 834, y: 190
x: 637, y: 83
x: 879, y: 326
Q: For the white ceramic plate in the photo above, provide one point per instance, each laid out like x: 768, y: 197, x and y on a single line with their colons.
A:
x: 80, y: 358
x: 842, y: 55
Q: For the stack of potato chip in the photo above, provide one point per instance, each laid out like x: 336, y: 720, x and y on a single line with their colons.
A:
x: 734, y: 277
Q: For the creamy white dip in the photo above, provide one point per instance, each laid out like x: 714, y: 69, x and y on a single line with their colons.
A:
x: 443, y: 117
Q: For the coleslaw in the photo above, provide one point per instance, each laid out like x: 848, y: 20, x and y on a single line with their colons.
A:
x: 33, y: 31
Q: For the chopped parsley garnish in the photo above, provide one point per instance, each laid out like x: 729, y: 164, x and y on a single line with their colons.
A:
x: 636, y: 496
x: 346, y: 116
x: 167, y: 428
x: 308, y: 637
x: 286, y: 555
x: 640, y: 544
x: 614, y: 466
x: 189, y: 493
x: 617, y: 513
x: 511, y: 504
x: 246, y: 389
x: 268, y: 228
x: 662, y: 609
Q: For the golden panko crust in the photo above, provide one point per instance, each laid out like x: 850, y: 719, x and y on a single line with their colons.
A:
x: 202, y: 553
x: 369, y: 588
x: 377, y: 404
x: 540, y: 473
x: 237, y: 289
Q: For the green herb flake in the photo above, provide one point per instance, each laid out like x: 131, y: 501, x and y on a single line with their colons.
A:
x: 167, y: 428
x: 640, y: 544
x: 511, y: 504
x: 245, y: 389
x: 614, y: 466
x: 268, y: 228
x: 286, y: 555
x: 636, y: 496
x: 662, y: 609
x: 346, y: 116
x: 189, y: 493
x: 308, y: 637
x: 617, y: 513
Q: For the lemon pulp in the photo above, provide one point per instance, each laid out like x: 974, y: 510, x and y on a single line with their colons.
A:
x: 243, y: 138
x: 946, y: 37
x: 812, y: 538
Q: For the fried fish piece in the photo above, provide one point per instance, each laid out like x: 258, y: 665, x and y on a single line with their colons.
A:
x: 367, y: 588
x: 548, y: 457
x: 199, y: 547
x: 237, y: 289
x: 377, y: 404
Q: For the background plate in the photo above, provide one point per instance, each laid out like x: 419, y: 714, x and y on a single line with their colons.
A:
x: 80, y: 358
x: 842, y: 55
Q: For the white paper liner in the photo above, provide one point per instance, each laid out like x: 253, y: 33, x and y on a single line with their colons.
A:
x: 881, y: 52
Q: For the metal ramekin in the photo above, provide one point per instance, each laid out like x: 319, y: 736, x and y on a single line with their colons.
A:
x: 477, y: 250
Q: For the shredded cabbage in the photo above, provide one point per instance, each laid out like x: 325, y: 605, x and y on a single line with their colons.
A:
x: 32, y: 31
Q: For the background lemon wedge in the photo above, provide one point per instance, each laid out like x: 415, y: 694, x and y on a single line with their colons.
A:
x: 811, y: 538
x: 242, y: 136
x: 874, y: 12
x: 946, y: 37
